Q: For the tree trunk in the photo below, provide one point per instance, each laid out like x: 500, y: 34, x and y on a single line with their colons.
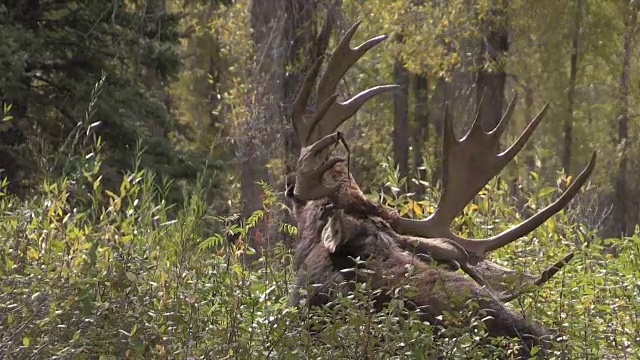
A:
x: 305, y: 41
x: 491, y: 76
x: 298, y: 38
x: 420, y: 126
x: 624, y: 219
x: 568, y: 120
x: 256, y: 143
x: 401, y: 118
x: 149, y: 74
x: 439, y: 102
x: 529, y: 160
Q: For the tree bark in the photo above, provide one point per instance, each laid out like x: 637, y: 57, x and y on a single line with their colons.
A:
x: 420, y: 126
x: 255, y: 145
x: 401, y: 118
x: 305, y: 42
x: 439, y: 102
x: 529, y: 160
x: 491, y: 77
x: 625, y: 217
x: 568, y: 121
x: 297, y: 34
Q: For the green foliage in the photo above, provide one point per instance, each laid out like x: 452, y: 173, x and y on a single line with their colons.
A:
x: 135, y: 277
x: 196, y: 91
x: 55, y: 52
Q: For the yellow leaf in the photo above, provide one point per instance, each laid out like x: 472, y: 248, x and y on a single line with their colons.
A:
x: 416, y: 207
x: 473, y: 207
x: 569, y: 178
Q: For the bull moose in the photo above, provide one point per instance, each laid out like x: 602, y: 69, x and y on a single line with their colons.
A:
x: 338, y: 223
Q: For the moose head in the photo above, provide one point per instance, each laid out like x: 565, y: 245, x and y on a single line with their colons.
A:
x: 338, y: 223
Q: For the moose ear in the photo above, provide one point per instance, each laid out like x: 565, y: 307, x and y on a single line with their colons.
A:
x: 332, y: 233
x: 340, y: 229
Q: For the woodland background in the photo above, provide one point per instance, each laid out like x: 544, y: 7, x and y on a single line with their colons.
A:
x: 145, y: 145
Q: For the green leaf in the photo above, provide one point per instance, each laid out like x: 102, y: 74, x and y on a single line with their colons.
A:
x: 546, y: 191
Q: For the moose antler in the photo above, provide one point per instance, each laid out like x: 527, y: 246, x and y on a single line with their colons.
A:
x: 469, y: 164
x: 317, y: 131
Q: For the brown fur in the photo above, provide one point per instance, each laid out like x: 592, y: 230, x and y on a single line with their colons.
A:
x: 438, y: 289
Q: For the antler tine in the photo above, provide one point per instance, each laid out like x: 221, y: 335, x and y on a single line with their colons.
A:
x: 469, y: 164
x: 511, y: 152
x: 476, y: 126
x: 480, y: 247
x: 319, y: 115
x: 502, y: 125
x: 332, y: 113
x: 298, y: 109
x: 449, y: 136
x: 322, y: 41
x: 440, y: 219
x: 342, y: 59
x: 342, y: 111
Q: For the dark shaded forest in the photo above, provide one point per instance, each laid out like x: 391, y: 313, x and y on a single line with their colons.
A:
x: 145, y: 149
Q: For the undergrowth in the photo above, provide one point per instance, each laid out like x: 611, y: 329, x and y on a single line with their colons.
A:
x: 92, y: 273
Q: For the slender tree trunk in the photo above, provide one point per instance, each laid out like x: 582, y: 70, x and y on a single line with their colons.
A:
x: 401, y: 118
x: 297, y: 34
x: 149, y: 74
x: 420, y: 125
x: 568, y: 121
x: 529, y: 159
x: 256, y: 142
x: 491, y: 77
x: 624, y: 217
x: 304, y: 40
x: 439, y: 102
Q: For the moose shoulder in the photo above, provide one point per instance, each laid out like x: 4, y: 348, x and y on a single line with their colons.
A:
x: 337, y: 223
